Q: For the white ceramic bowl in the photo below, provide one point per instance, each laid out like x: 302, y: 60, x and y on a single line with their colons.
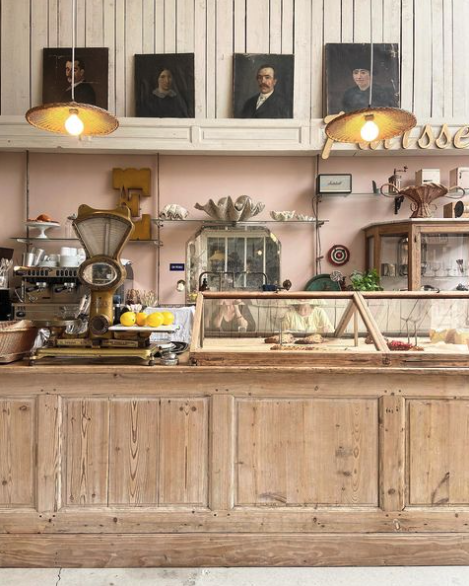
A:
x: 282, y: 216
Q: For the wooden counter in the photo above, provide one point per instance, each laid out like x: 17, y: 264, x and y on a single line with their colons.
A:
x: 190, y: 466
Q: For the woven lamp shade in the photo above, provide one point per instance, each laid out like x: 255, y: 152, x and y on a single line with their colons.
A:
x: 390, y: 121
x: 52, y: 117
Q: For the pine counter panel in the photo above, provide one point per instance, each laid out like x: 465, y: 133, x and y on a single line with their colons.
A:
x: 143, y: 466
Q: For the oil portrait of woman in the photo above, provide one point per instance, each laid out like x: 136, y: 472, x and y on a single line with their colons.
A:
x: 164, y: 85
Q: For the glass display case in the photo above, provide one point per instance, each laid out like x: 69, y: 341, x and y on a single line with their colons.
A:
x: 422, y: 252
x: 224, y: 258
x: 350, y: 328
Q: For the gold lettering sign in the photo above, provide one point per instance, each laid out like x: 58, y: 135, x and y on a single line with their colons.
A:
x: 462, y: 133
x: 426, y: 140
x: 443, y: 140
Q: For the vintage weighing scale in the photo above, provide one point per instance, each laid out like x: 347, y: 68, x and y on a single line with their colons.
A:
x: 103, y: 234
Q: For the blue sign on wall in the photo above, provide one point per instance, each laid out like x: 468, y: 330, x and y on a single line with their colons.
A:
x: 176, y: 266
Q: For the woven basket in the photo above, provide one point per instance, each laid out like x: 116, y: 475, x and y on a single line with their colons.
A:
x: 16, y: 339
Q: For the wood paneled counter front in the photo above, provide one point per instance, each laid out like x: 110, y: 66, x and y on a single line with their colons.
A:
x: 189, y: 466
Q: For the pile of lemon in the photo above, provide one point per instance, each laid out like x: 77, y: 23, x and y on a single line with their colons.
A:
x: 152, y: 320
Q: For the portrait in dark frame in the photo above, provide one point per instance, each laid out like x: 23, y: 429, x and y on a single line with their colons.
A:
x: 164, y: 85
x: 348, y: 76
x: 263, y: 86
x: 91, y: 76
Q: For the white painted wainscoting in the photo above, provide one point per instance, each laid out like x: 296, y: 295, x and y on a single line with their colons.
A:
x: 431, y: 33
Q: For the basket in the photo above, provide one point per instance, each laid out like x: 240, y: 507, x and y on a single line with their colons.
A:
x: 16, y: 339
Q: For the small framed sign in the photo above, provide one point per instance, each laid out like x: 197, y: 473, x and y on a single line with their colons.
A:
x: 340, y: 183
x: 176, y: 266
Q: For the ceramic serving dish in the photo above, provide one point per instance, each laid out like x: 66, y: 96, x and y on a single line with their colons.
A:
x: 304, y: 218
x: 173, y: 211
x: 228, y: 211
x: 282, y: 216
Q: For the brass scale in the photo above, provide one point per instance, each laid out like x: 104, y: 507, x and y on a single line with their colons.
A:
x: 103, y: 234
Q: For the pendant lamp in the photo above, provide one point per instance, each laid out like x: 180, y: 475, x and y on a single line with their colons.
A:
x: 72, y: 118
x: 370, y: 123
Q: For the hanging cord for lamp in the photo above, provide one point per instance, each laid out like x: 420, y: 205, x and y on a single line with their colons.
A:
x: 71, y: 117
x: 370, y: 131
x: 371, y: 123
x: 73, y: 48
x: 371, y: 54
x: 73, y: 124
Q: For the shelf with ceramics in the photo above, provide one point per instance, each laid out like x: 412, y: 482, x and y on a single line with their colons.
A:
x: 229, y: 212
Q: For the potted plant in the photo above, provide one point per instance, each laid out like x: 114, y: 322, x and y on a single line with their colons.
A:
x: 365, y: 281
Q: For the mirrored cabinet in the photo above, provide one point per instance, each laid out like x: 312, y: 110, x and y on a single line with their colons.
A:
x: 415, y: 253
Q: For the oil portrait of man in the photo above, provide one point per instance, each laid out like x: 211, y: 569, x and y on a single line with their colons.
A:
x: 90, y: 76
x: 263, y: 86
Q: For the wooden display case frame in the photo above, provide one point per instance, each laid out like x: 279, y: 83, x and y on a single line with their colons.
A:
x: 413, y: 229
x: 381, y: 356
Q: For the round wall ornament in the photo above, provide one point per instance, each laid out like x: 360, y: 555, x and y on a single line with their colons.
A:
x: 338, y: 255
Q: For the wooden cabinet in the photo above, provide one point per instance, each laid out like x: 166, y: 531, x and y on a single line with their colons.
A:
x: 414, y: 253
x: 234, y: 466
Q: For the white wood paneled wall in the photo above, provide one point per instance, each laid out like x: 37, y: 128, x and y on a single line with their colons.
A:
x: 432, y: 35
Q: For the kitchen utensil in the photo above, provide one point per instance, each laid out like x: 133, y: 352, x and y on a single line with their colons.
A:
x: 28, y: 259
x: 38, y: 254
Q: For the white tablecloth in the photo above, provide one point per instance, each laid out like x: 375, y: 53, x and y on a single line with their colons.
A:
x: 183, y: 317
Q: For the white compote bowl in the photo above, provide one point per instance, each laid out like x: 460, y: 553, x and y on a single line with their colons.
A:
x: 41, y: 226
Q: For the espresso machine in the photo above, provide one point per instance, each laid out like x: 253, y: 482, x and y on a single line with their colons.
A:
x: 50, y: 297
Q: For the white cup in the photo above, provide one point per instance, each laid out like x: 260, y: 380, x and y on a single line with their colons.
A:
x: 69, y: 261
x: 65, y: 251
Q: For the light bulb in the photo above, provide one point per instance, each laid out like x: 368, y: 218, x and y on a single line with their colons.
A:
x: 73, y: 124
x: 369, y: 131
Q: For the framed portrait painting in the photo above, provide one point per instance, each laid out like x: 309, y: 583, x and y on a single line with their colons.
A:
x: 348, y: 76
x: 91, y: 76
x: 263, y: 86
x: 164, y: 85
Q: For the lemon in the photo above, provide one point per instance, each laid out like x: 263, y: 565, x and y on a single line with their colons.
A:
x: 141, y: 318
x: 155, y: 320
x: 128, y: 318
x: 168, y: 318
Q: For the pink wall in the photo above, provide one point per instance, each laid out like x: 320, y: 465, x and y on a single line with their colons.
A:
x: 282, y: 183
x: 60, y: 182
x: 348, y: 215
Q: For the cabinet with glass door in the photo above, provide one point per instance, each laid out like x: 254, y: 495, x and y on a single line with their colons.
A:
x: 430, y: 253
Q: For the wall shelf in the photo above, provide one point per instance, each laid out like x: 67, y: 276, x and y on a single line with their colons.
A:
x: 219, y: 223
x: 221, y: 136
x: 27, y: 240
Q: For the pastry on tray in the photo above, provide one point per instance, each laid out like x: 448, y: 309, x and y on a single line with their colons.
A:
x: 291, y: 347
x: 43, y: 218
x: 312, y: 339
x: 286, y: 339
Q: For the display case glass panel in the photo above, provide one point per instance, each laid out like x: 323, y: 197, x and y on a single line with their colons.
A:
x: 446, y: 264
x: 423, y: 325
x: 428, y: 253
x: 399, y: 329
x: 232, y: 258
x: 394, y: 267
